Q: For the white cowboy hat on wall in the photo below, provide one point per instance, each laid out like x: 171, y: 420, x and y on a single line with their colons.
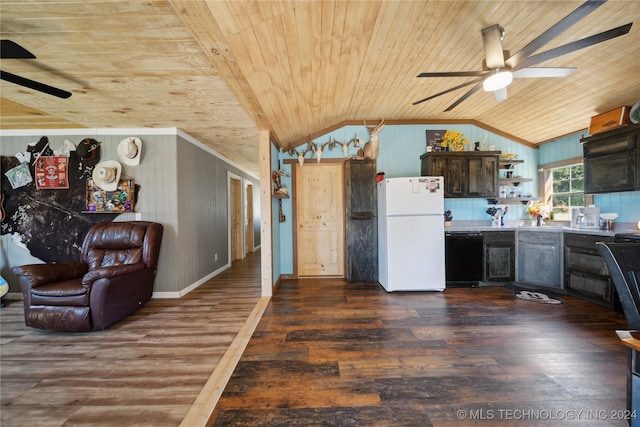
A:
x: 130, y: 151
x: 107, y: 174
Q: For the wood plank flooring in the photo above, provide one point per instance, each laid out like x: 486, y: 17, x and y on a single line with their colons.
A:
x: 328, y: 353
x: 145, y: 370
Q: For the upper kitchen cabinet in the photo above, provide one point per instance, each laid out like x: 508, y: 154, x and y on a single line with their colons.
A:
x: 612, y: 160
x: 466, y: 173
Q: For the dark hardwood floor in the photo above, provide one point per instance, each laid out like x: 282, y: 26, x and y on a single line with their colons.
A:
x: 145, y: 370
x: 331, y: 353
x: 326, y: 352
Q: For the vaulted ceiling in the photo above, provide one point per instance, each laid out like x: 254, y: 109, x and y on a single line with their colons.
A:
x: 222, y: 70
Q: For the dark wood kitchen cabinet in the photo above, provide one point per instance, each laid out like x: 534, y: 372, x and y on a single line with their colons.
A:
x: 612, y: 160
x: 539, y: 258
x: 361, y: 226
x: 585, y: 272
x: 499, y: 256
x: 467, y: 174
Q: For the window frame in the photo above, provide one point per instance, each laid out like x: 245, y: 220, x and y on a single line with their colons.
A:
x: 545, y: 179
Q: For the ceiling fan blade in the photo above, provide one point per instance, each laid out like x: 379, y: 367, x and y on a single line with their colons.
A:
x: 465, y: 96
x: 447, y: 91
x: 555, y: 30
x: 492, y: 43
x: 12, y: 50
x: 32, y: 84
x: 576, y: 45
x: 454, y: 74
x: 500, y: 94
x: 532, y: 73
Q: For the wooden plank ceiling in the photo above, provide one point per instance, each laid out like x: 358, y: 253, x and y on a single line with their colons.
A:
x: 221, y: 70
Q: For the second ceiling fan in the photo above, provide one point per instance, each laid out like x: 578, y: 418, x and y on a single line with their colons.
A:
x: 12, y: 50
x: 499, y: 67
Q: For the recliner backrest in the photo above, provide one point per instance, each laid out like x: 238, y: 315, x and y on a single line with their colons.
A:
x: 623, y: 262
x: 121, y: 243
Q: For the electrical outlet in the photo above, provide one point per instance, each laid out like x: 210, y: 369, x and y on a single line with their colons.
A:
x: 215, y: 257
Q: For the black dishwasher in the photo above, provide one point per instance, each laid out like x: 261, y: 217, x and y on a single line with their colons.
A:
x: 628, y: 237
x: 463, y: 258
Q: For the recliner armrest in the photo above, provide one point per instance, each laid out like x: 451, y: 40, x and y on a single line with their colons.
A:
x: 111, y: 271
x: 41, y: 274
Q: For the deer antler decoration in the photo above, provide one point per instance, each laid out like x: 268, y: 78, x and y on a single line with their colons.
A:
x: 371, y: 149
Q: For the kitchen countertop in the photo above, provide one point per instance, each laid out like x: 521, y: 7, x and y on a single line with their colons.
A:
x: 470, y: 226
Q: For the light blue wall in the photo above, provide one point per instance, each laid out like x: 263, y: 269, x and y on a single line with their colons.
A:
x: 286, y: 229
x: 563, y: 148
x: 625, y: 204
x: 276, y: 251
x: 400, y: 149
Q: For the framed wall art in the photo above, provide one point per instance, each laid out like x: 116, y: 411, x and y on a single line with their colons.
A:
x: 434, y: 139
x: 52, y: 172
x: 119, y: 201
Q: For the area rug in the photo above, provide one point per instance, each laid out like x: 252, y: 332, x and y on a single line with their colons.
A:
x: 538, y: 297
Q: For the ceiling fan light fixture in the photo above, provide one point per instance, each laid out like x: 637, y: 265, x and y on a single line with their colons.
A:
x: 498, y: 79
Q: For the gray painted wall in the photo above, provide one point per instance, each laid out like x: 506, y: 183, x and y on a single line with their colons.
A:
x: 183, y: 185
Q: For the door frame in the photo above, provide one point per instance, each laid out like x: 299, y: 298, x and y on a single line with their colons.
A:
x: 294, y: 219
x: 233, y: 177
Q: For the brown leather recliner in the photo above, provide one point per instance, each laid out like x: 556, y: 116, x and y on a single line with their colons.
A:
x: 112, y: 280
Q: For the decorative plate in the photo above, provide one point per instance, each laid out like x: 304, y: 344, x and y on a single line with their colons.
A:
x: 634, y: 114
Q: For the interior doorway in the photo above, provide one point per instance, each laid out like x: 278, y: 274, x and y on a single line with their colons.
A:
x: 319, y: 200
x: 236, y: 246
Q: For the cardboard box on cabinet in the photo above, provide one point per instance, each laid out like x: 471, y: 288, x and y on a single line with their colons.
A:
x: 609, y: 120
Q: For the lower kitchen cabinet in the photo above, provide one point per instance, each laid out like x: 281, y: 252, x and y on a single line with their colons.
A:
x: 585, y: 272
x: 499, y: 256
x: 540, y: 258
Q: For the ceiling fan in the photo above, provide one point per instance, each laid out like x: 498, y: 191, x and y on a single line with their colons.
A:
x: 499, y: 67
x: 12, y: 50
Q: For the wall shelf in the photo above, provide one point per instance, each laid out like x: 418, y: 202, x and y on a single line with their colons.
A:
x: 509, y: 164
x: 509, y: 180
x: 513, y: 200
x: 515, y: 181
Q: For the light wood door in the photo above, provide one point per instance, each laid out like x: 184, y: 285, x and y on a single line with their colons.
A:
x: 235, y: 218
x: 320, y: 219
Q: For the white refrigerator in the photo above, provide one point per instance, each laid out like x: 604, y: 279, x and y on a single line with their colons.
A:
x: 411, y: 234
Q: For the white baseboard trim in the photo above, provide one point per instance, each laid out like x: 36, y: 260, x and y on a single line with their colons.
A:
x: 155, y: 295
x: 195, y: 285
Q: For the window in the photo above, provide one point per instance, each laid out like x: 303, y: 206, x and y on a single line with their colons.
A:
x: 567, y: 190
